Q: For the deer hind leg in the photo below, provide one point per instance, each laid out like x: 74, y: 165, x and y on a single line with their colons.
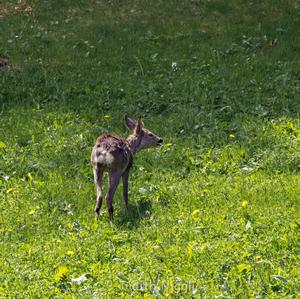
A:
x: 98, y: 174
x: 114, y: 178
x: 125, y: 187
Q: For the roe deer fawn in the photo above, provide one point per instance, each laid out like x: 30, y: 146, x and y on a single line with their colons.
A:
x: 115, y: 154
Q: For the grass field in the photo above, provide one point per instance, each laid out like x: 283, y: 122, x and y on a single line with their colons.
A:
x: 214, y: 213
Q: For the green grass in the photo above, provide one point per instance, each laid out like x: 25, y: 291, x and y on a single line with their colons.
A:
x: 214, y: 213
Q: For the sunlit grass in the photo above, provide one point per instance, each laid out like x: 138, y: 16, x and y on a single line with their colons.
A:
x: 214, y: 212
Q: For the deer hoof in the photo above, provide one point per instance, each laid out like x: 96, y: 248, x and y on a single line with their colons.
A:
x: 97, y: 213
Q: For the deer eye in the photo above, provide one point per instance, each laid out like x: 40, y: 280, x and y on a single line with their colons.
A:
x: 151, y: 135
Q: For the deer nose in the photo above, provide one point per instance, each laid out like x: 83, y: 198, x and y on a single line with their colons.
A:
x: 160, y: 141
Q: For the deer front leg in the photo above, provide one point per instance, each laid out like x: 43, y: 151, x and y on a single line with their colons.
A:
x: 113, y: 184
x: 98, y: 174
x: 125, y: 177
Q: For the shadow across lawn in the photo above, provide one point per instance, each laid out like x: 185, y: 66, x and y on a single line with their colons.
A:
x: 136, y: 212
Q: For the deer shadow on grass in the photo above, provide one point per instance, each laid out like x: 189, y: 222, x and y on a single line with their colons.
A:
x: 137, y: 211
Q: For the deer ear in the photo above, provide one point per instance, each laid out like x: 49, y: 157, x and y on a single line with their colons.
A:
x: 130, y: 123
x: 139, y: 126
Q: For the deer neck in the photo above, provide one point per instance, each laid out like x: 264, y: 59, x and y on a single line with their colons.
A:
x: 134, y: 142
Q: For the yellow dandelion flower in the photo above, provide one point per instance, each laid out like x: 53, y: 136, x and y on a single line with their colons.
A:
x: 70, y: 252
x: 205, y: 190
x: 62, y: 271
x: 31, y: 212
x: 232, y: 136
x: 244, y: 203
x: 9, y: 190
x: 195, y: 213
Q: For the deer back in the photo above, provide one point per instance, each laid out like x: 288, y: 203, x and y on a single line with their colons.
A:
x: 112, y: 152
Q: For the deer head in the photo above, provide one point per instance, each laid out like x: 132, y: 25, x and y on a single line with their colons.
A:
x: 141, y: 137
